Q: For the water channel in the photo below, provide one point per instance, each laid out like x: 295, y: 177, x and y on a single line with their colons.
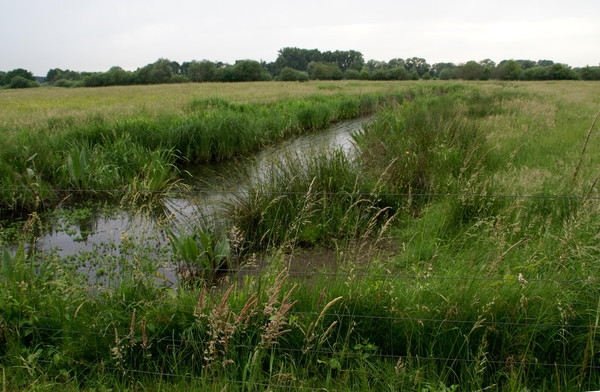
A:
x: 210, y: 184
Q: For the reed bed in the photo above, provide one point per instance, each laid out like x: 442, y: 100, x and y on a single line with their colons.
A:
x: 490, y: 282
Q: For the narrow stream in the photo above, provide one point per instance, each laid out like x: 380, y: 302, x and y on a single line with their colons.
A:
x: 211, y: 185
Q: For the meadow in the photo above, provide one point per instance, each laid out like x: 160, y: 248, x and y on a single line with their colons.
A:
x: 459, y: 248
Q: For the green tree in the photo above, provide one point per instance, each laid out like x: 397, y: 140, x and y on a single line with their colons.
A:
x: 509, y: 70
x: 380, y: 74
x: 97, y: 79
x: 345, y: 59
x: 142, y: 75
x: 590, y: 73
x: 562, y: 72
x: 117, y: 76
x: 487, y: 63
x: 326, y: 71
x: 472, y: 70
x: 446, y: 74
x: 21, y: 82
x: 525, y: 64
x: 374, y: 65
x: 289, y: 74
x: 294, y: 58
x: 8, y: 76
x: 225, y: 73
x: 53, y: 75
x: 545, y: 63
x: 396, y: 62
x: 202, y: 71
x: 351, y: 74
x: 487, y: 72
x: 398, y: 73
x: 437, y: 69
x: 537, y: 73
x: 248, y: 71
x: 160, y: 72
x: 175, y: 68
x: 417, y: 64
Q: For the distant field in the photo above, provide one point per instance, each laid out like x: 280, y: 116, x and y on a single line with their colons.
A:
x: 33, y: 108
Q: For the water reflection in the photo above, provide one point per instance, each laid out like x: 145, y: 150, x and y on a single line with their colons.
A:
x: 211, y: 185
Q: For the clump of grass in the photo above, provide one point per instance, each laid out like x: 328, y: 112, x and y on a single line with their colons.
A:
x: 307, y: 201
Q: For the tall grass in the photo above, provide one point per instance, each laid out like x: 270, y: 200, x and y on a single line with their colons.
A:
x: 490, y: 286
x: 308, y: 199
x: 99, y: 155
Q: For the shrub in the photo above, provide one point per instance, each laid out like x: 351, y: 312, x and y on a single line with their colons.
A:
x: 590, y: 73
x: 445, y: 74
x: 161, y: 71
x: 326, y: 71
x: 537, y: 73
x: 21, y: 82
x: 398, y: 73
x: 562, y: 72
x: 288, y: 74
x: 249, y: 71
x: 511, y: 70
x: 63, y: 83
x: 472, y: 70
x: 303, y: 76
x: 178, y: 79
x: 204, y: 71
x: 351, y: 74
x: 380, y: 74
x: 7, y: 77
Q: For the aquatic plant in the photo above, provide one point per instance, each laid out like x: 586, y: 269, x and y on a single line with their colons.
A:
x: 200, y: 255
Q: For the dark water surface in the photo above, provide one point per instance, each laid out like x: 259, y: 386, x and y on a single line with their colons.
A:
x: 211, y: 184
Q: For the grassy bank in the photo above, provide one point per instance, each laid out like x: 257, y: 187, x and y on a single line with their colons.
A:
x: 109, y: 141
x: 461, y: 247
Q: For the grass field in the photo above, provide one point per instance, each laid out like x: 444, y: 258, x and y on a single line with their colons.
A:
x: 458, y: 252
x: 34, y: 110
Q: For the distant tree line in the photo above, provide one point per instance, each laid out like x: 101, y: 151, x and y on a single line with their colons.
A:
x: 18, y: 78
x: 296, y: 64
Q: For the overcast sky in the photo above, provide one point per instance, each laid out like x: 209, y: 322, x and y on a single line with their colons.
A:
x: 93, y: 35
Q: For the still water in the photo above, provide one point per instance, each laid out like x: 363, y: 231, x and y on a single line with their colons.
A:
x: 211, y: 184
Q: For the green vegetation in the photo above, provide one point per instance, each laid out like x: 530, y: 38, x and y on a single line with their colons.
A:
x: 296, y: 64
x: 460, y: 244
x: 142, y: 154
x: 18, y: 78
